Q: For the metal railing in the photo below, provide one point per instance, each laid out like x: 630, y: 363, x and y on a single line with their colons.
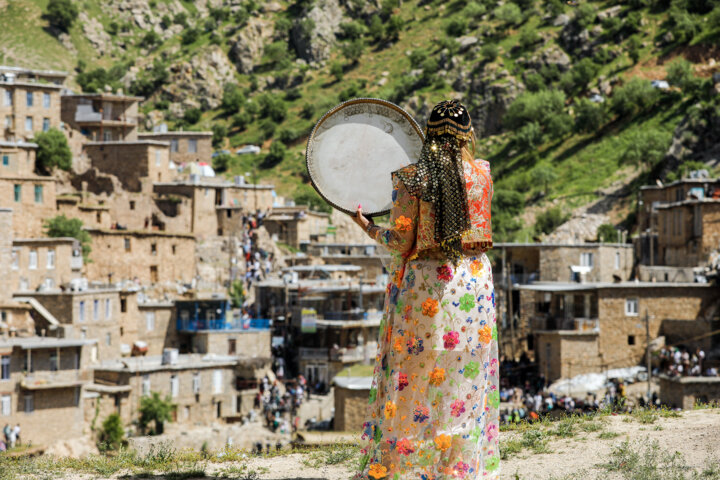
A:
x: 252, y: 324
x: 578, y: 324
x: 311, y: 353
x: 356, y: 354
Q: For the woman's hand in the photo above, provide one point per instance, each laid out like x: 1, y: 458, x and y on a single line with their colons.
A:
x: 361, y: 220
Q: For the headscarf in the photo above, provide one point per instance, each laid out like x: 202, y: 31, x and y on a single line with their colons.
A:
x: 438, y: 176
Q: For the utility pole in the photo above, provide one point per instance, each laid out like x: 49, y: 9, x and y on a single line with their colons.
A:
x: 647, y: 352
x: 508, y: 300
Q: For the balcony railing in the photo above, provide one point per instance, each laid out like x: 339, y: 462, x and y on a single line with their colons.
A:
x: 352, y: 315
x: 516, y: 278
x: 56, y: 379
x: 354, y: 354
x: 310, y: 353
x: 577, y: 324
x: 252, y: 324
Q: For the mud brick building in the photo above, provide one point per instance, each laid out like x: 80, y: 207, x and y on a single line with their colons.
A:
x: 151, y: 257
x: 202, y: 386
x: 44, y: 263
x: 579, y: 328
x: 185, y: 147
x: 156, y: 326
x: 98, y: 117
x: 351, y: 398
x: 17, y: 158
x: 686, y: 392
x: 29, y: 102
x: 32, y: 199
x: 92, y: 216
x: 135, y: 163
x: 368, y: 257
x: 41, y: 383
x: 297, y: 226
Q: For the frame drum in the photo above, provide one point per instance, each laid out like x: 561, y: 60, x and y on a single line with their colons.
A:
x: 355, y: 147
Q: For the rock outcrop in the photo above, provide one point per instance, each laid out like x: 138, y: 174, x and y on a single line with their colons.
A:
x: 248, y: 45
x: 313, y: 34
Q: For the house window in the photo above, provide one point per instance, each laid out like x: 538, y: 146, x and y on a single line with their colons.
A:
x: 5, y: 367
x: 29, y: 403
x: 158, y: 158
x: 586, y: 259
x: 46, y: 100
x: 192, y: 145
x: 217, y: 381
x: 81, y: 311
x: 196, y: 383
x: 15, y: 258
x: 96, y: 310
x: 17, y: 190
x: 631, y: 339
x: 617, y: 260
x: 6, y: 160
x: 174, y: 145
x: 8, y: 98
x: 49, y: 283
x: 631, y: 307
x: 53, y: 362
x: 107, y: 136
x: 29, y: 98
x: 146, y: 385
x: 108, y: 306
x: 51, y: 258
x: 38, y: 193
x: 46, y: 124
x: 28, y: 124
x: 123, y: 305
x: 33, y: 263
x: 127, y: 244
x: 150, y: 321
x: 108, y: 339
x: 232, y: 346
x: 132, y: 204
x: 8, y: 121
x: 174, y: 386
x: 153, y: 249
x: 5, y: 403
x: 173, y: 249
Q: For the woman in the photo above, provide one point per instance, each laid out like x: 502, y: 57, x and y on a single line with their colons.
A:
x: 433, y: 407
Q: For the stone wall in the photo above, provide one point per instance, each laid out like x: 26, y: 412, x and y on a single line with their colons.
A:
x: 33, y: 208
x: 42, y: 114
x: 247, y: 343
x: 156, y: 327
x: 564, y: 354
x: 20, y: 160
x: 6, y: 238
x: 130, y: 162
x: 555, y: 262
x: 48, y: 272
x: 350, y: 409
x: 151, y: 257
x: 685, y: 392
x: 179, y: 142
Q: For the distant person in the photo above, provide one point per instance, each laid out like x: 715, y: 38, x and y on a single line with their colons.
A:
x: 6, y: 431
x: 16, y: 431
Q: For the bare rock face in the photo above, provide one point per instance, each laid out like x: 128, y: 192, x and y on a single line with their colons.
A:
x: 247, y: 47
x: 199, y: 81
x: 95, y: 33
x: 419, y: 109
x: 313, y: 34
x: 553, y: 55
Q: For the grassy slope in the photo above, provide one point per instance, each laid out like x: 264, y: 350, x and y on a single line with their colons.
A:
x: 25, y: 41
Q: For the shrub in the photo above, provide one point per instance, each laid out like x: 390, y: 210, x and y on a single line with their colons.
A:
x: 558, y: 125
x: 190, y: 35
x: 554, y: 7
x: 606, y: 233
x: 589, y: 116
x: 222, y: 162
x: 62, y: 14
x: 192, y: 116
x: 679, y: 72
x: 272, y: 106
x: 417, y: 57
x: 489, y: 52
x: 508, y: 13
x: 286, y: 135
x: 473, y: 10
x: 376, y: 29
x: 647, y: 148
x: 241, y: 120
x: 635, y: 96
x: 584, y: 71
x: 543, y: 175
x: 633, y: 48
x: 336, y: 70
x: 154, y: 409
x: 277, y: 153
x: 584, y: 15
x: 267, y: 128
x: 506, y: 207
x: 53, y: 151
x: 61, y: 226
x: 685, y: 25
x: 220, y: 132
x: 549, y: 220
x: 112, y: 433
x: 456, y: 27
x: 534, y: 82
x: 534, y: 107
x: 165, y: 22
x: 529, y: 136
x: 181, y: 19
x: 353, y: 50
x: 308, y: 110
x: 394, y: 27
x: 237, y: 293
x: 232, y: 99
x: 528, y: 37
x: 353, y: 29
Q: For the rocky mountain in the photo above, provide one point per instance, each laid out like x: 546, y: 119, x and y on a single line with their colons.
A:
x: 561, y: 93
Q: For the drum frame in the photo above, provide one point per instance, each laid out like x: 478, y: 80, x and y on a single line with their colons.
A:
x: 336, y: 109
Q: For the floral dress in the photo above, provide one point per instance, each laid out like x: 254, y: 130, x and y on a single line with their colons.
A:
x: 433, y: 405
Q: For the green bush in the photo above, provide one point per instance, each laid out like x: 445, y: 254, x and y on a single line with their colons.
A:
x: 635, y: 96
x: 61, y: 226
x: 221, y: 163
x: 583, y: 72
x: 679, y: 72
x: 543, y: 175
x: 607, y: 233
x: 417, y: 57
x: 277, y: 153
x: 150, y: 39
x: 241, y: 120
x: 456, y: 27
x: 267, y: 128
x: 529, y: 136
x: 336, y: 70
x: 181, y: 19
x: 190, y: 35
x: 154, y: 409
x: 53, y: 151
x: 192, y: 116
x: 353, y: 50
x: 353, y: 29
x: 220, y: 132
x: 308, y: 111
x: 394, y: 26
x: 584, y: 15
x: 508, y: 13
x: 633, y: 48
x: 232, y: 99
x: 506, y: 207
x: 272, y: 106
x: 534, y: 82
x: 534, y: 107
x: 473, y: 10
x: 647, y: 148
x: 549, y: 220
x: 528, y: 37
x: 554, y: 7
x: 376, y: 30
x: 61, y: 14
x: 286, y: 135
x: 237, y: 293
x: 558, y: 125
x: 589, y: 116
x: 489, y: 52
x: 112, y: 435
x: 685, y: 25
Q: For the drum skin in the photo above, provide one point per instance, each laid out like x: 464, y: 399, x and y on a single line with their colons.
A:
x: 354, y: 148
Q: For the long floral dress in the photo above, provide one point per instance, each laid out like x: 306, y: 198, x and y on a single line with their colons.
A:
x: 433, y: 406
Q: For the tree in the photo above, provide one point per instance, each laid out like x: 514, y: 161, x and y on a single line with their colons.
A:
x: 558, y: 125
x: 646, y: 148
x: 585, y: 15
x: 456, y: 27
x: 156, y: 410
x: 549, y: 220
x: 242, y: 120
x: 584, y: 71
x: 189, y: 36
x: 112, y: 433
x: 489, y: 52
x: 508, y: 13
x: 589, y: 116
x: 192, y: 116
x: 679, y: 72
x: 633, y: 48
x: 394, y: 27
x: 376, y: 29
x: 606, y: 233
x: 233, y: 98
x: 635, y: 96
x: 534, y: 107
x: 237, y: 293
x: 543, y: 175
x: 529, y: 136
x: 53, y: 151
x: 61, y: 226
x: 150, y: 39
x: 62, y: 14
x: 353, y: 50
x: 308, y: 110
x: 277, y: 153
x: 221, y: 162
x: 219, y: 131
x: 353, y: 29
x: 336, y: 70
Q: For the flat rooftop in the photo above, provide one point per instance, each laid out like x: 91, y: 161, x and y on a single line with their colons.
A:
x: 154, y: 363
x: 570, y: 286
x: 36, y: 343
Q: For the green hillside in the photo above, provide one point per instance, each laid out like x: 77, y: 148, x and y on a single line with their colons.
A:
x: 264, y: 72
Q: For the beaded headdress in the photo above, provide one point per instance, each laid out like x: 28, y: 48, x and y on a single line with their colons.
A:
x: 438, y: 176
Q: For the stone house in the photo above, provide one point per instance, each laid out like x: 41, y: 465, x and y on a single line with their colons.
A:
x: 202, y: 386
x: 685, y: 392
x: 137, y: 164
x: 29, y: 102
x: 32, y: 199
x: 151, y: 257
x: 296, y: 226
x: 44, y: 263
x: 185, y: 147
x: 366, y: 256
x: 41, y: 383
x: 580, y: 328
x: 99, y: 117
x: 17, y: 158
x: 351, y: 398
x: 92, y: 216
x: 156, y: 326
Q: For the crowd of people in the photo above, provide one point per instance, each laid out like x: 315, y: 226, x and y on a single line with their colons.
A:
x: 11, y: 437
x: 676, y: 362
x: 258, y: 262
x: 277, y: 405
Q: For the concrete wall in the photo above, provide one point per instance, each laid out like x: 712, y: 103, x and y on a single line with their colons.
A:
x: 152, y: 257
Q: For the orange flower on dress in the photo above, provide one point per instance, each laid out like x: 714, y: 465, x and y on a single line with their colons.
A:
x: 430, y: 307
x: 399, y: 344
x: 442, y: 442
x: 437, y: 376
x: 476, y: 267
x: 403, y: 223
x: 390, y: 409
x: 404, y: 447
x: 377, y: 470
x: 485, y: 334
